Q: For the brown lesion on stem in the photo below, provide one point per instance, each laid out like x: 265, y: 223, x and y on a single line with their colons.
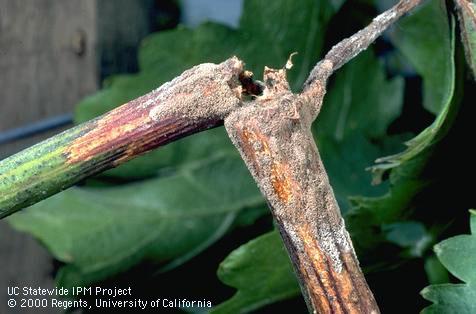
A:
x: 281, y: 155
x: 256, y: 145
x: 282, y: 182
x: 122, y: 128
x: 129, y: 131
x: 197, y: 100
x: 319, y: 272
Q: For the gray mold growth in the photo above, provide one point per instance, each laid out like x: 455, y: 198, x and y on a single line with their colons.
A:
x: 206, y: 91
x: 281, y: 154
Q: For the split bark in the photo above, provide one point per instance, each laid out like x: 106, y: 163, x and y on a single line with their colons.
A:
x: 272, y: 133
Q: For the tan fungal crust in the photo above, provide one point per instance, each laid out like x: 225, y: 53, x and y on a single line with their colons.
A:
x: 198, y: 99
x: 273, y: 136
x: 282, y: 156
x: 206, y: 91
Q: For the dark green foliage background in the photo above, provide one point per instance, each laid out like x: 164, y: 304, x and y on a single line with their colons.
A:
x: 166, y: 220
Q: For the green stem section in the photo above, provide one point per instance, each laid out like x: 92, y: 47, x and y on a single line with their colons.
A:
x: 38, y: 172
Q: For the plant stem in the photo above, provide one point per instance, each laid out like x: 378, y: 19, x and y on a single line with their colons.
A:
x: 274, y: 138
x: 197, y: 100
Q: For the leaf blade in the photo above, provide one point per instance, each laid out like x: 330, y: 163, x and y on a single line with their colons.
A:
x: 458, y: 255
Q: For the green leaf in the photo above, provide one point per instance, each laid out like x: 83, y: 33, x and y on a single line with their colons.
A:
x: 345, y: 131
x: 261, y: 272
x: 467, y: 20
x: 346, y: 162
x: 369, y: 213
x: 272, y: 30
x: 450, y: 299
x: 436, y: 272
x: 422, y: 44
x: 409, y: 234
x: 458, y: 255
x: 423, y: 39
x: 361, y: 86
x: 166, y: 220
x: 248, y: 216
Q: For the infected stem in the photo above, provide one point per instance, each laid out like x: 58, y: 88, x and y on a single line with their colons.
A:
x: 274, y: 139
x: 197, y: 100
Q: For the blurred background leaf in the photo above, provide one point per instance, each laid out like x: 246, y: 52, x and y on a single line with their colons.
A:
x: 422, y: 37
x: 168, y: 219
x: 406, y: 167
